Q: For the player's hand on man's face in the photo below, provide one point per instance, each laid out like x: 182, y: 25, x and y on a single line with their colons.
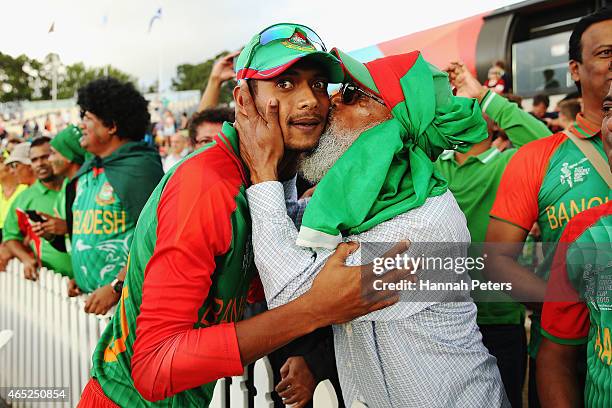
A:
x: 341, y: 293
x: 261, y: 139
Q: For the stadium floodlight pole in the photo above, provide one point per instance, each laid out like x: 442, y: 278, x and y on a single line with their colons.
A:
x: 54, y: 63
x: 157, y: 16
x: 159, y: 71
x: 54, y: 59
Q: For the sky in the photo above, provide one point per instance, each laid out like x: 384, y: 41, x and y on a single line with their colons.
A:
x: 100, y: 32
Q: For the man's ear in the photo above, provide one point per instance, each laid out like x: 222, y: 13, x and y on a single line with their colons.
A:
x: 238, y: 100
x: 573, y: 69
x: 112, y: 130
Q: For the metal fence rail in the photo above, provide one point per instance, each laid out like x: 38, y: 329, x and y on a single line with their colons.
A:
x: 53, y: 339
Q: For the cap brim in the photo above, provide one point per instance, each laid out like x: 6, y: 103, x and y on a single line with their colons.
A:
x: 17, y: 160
x: 331, y: 64
x: 355, y: 71
x: 326, y: 60
x: 270, y: 60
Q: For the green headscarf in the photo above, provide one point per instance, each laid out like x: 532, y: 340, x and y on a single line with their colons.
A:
x: 67, y: 143
x: 389, y: 169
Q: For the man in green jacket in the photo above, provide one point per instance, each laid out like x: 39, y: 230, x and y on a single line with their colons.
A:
x: 104, y: 199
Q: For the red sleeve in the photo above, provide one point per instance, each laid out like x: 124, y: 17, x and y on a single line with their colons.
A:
x: 565, y: 319
x: 517, y: 196
x: 194, y: 226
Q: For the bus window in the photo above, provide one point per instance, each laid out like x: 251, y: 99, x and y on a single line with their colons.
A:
x: 540, y: 66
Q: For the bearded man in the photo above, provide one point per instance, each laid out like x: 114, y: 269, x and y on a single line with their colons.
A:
x: 377, y: 184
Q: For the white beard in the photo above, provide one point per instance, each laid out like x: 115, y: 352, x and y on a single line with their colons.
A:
x: 333, y: 144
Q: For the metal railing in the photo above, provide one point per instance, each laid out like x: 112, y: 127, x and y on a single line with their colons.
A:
x: 48, y: 340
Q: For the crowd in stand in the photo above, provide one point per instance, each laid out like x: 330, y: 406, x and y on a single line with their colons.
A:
x: 113, y: 209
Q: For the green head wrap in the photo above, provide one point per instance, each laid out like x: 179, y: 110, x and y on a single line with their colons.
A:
x: 67, y: 143
x: 389, y: 169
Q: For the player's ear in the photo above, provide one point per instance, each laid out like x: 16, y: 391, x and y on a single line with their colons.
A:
x: 238, y: 100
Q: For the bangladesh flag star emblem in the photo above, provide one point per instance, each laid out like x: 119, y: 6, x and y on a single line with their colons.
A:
x: 298, y: 41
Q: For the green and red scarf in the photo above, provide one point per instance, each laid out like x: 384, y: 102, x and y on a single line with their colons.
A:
x: 389, y: 169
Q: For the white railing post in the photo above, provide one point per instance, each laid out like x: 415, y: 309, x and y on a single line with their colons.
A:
x: 66, y: 357
x: 52, y: 340
x: 263, y: 380
x: 238, y: 394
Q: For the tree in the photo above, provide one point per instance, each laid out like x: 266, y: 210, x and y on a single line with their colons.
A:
x: 23, y: 78
x: 78, y: 75
x: 189, y: 76
x: 14, y: 85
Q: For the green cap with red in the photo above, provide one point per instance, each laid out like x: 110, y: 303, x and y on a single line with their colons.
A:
x: 278, y: 47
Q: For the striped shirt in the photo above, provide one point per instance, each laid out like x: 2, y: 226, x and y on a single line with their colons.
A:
x: 416, y: 353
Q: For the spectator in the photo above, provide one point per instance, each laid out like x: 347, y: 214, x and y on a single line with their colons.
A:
x: 39, y: 197
x: 494, y: 81
x: 400, y: 184
x: 550, y: 180
x: 9, y: 190
x: 184, y: 120
x: 169, y: 124
x: 104, y: 199
x: 549, y: 79
x: 19, y: 164
x: 568, y: 110
x: 12, y: 141
x: 505, y: 77
x: 540, y: 110
x: 222, y: 71
x: 540, y: 106
x: 178, y: 150
x: 205, y: 125
x: 473, y: 178
x: 66, y: 158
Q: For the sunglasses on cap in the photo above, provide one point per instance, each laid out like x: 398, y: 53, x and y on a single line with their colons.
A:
x: 351, y: 92
x: 284, y: 31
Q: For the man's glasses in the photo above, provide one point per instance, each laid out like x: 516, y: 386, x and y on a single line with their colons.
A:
x: 283, y: 31
x: 351, y: 92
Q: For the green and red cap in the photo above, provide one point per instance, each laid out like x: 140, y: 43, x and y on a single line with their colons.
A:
x: 278, y: 47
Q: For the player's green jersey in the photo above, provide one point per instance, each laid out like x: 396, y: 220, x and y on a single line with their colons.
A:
x: 580, y: 293
x: 192, y: 253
